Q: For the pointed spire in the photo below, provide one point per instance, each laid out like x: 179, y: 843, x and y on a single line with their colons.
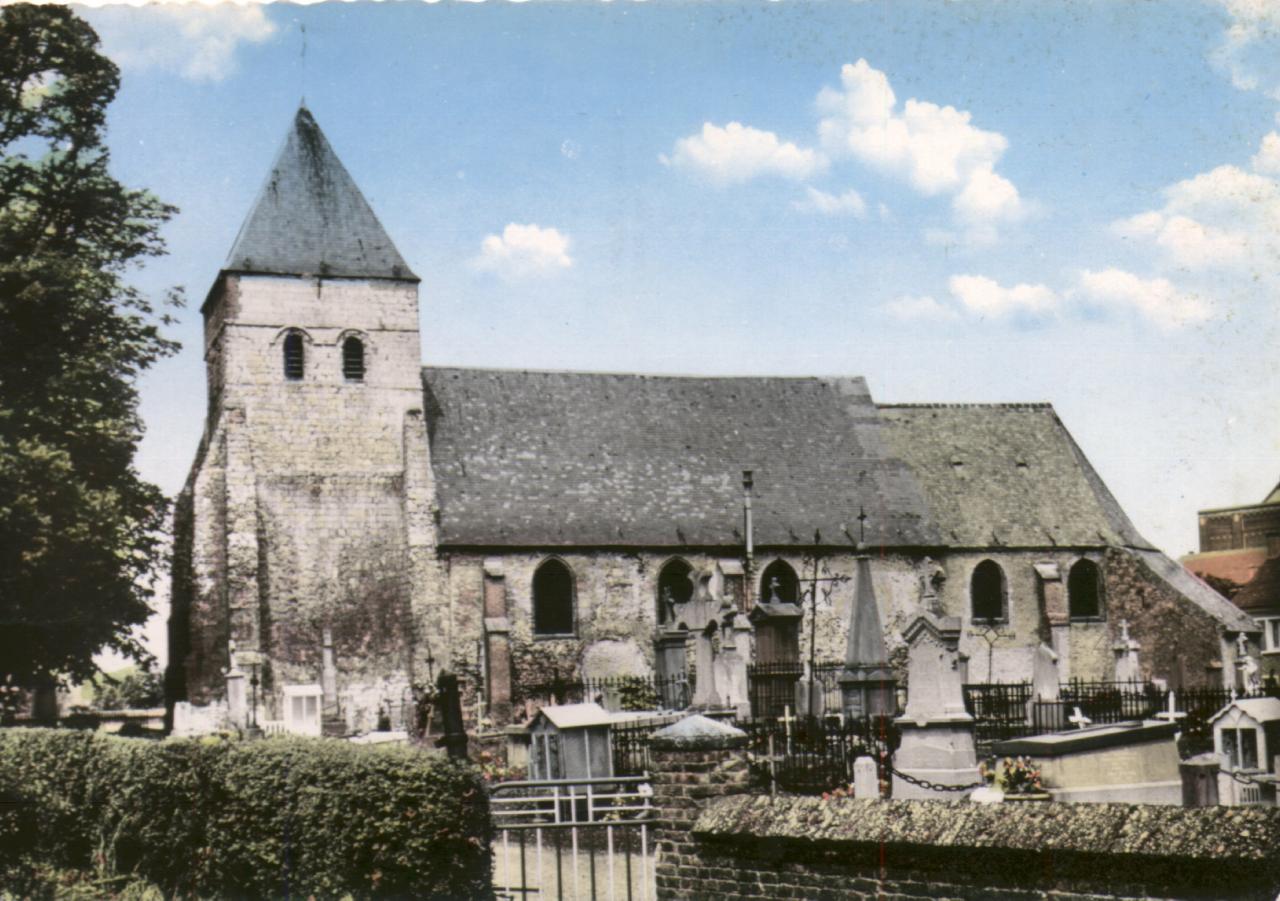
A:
x: 867, y: 681
x: 865, y: 652
x: 310, y: 218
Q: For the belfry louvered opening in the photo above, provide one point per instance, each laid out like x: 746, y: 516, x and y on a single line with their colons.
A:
x: 294, y: 357
x: 353, y: 360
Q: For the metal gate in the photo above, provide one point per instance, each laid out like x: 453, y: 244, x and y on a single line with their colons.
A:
x: 573, y: 839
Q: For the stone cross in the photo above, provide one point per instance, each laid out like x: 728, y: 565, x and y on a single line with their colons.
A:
x: 1126, y: 650
x: 1078, y: 719
x: 705, y: 615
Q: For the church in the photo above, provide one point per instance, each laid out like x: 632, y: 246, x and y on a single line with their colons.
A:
x: 355, y: 521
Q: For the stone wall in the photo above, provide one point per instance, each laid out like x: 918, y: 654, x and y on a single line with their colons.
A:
x: 788, y: 847
x: 1180, y: 643
x: 311, y: 503
x: 716, y: 840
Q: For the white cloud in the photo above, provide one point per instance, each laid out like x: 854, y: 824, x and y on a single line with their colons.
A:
x: 986, y: 297
x: 1156, y: 299
x: 935, y: 149
x: 1249, y: 51
x: 923, y: 308
x: 1267, y: 159
x: 524, y: 251
x: 1187, y: 242
x: 848, y: 203
x: 1226, y: 220
x: 197, y: 42
x: 738, y: 153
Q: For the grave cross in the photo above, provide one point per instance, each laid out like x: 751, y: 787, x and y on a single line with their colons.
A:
x: 1171, y: 714
x: 787, y: 720
x: 1078, y: 719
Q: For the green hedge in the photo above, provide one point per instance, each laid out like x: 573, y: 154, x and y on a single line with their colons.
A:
x: 265, y: 819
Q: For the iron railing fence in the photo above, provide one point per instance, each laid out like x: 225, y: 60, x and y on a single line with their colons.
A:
x: 771, y: 687
x: 812, y: 755
x: 999, y: 711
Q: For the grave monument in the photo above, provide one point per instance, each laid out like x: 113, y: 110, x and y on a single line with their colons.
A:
x: 937, y: 733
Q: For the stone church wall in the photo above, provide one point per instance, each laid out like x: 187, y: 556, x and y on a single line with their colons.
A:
x: 1180, y: 642
x: 312, y: 507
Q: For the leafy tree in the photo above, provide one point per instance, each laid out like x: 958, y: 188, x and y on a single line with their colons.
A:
x: 80, y: 532
x: 127, y: 689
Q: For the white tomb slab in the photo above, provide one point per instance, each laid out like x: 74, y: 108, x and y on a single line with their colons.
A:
x: 1128, y: 763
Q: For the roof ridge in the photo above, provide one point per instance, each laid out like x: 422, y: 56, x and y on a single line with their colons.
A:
x: 1011, y: 405
x: 530, y: 370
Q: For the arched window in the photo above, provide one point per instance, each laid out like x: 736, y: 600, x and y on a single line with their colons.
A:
x: 674, y: 587
x: 353, y: 359
x: 553, y: 599
x: 779, y: 584
x: 294, y: 356
x: 986, y: 592
x: 1084, y: 590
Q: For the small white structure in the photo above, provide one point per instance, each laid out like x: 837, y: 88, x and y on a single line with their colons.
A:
x: 1246, y: 738
x: 302, y: 709
x: 570, y: 741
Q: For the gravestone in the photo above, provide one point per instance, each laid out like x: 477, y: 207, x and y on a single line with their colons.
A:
x: 866, y: 781
x: 1044, y: 673
x: 1126, y: 651
x: 937, y: 733
x: 721, y: 667
x: 1127, y: 763
x: 867, y: 684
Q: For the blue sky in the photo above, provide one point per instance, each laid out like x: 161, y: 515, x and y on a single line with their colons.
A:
x: 972, y: 201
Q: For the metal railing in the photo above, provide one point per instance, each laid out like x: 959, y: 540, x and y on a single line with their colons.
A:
x: 573, y: 838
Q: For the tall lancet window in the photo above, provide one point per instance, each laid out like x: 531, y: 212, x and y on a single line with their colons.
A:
x: 674, y: 588
x: 987, y: 593
x: 1084, y: 590
x: 353, y: 360
x: 553, y: 599
x: 294, y: 357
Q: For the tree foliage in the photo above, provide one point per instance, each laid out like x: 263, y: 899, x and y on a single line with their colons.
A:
x: 129, y: 689
x: 79, y: 529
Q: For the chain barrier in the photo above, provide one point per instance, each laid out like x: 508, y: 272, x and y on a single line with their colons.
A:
x: 934, y: 786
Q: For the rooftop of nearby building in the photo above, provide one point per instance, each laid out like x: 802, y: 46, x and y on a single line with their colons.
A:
x: 1262, y: 592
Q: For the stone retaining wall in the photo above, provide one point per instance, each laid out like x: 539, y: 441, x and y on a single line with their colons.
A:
x: 716, y: 840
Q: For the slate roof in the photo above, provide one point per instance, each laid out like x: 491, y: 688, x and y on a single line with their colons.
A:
x: 1262, y: 592
x: 311, y: 219
x: 561, y: 458
x: 1006, y: 475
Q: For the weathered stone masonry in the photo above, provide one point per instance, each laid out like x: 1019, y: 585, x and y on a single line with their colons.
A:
x: 404, y: 510
x: 716, y: 840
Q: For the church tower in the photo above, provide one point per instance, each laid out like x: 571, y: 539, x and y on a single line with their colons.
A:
x: 305, y: 532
